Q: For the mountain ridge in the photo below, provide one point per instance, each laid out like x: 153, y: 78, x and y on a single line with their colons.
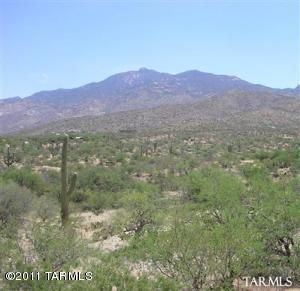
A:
x: 143, y: 69
x: 235, y: 110
x: 132, y: 90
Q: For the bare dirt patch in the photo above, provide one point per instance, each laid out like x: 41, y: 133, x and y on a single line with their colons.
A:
x: 89, y: 224
x: 142, y: 268
x: 25, y: 242
x: 46, y: 168
x: 173, y: 194
x: 110, y: 244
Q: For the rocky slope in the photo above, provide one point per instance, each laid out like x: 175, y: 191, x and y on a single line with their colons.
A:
x: 237, y: 110
x: 131, y: 90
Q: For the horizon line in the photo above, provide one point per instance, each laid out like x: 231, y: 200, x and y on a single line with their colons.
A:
x: 146, y: 69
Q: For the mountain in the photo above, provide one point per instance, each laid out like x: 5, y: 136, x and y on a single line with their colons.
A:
x: 236, y: 110
x: 131, y: 90
x: 292, y: 92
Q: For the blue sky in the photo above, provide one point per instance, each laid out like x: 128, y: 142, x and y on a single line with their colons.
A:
x: 64, y: 44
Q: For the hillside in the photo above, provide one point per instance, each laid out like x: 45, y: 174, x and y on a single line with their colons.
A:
x: 234, y: 110
x: 133, y: 90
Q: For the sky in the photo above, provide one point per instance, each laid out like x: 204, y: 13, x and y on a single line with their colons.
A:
x: 50, y: 44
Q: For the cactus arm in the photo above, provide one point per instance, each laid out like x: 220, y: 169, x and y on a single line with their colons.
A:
x: 72, y: 184
x: 9, y: 159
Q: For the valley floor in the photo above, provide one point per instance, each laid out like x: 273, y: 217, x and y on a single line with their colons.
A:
x: 163, y: 211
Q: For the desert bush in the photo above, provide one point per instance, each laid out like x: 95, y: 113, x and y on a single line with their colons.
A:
x: 46, y: 208
x: 167, y: 183
x: 102, y: 200
x: 57, y: 248
x: 214, y: 188
x: 283, y: 159
x: 141, y: 209
x: 26, y: 178
x: 255, y: 172
x: 276, y: 216
x: 144, y: 187
x: 79, y: 196
x: 10, y: 253
x: 262, y: 155
x: 120, y: 158
x: 204, y: 258
x: 106, y: 196
x: 14, y: 202
x: 103, y: 179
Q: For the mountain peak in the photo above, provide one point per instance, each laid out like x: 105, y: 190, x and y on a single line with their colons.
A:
x: 143, y: 69
x: 136, y: 89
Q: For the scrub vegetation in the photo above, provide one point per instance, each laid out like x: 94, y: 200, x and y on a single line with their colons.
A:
x: 177, y: 210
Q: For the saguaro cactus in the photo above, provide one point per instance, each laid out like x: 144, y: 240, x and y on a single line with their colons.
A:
x: 141, y: 150
x: 66, y: 188
x: 229, y: 148
x: 239, y: 147
x: 154, y: 146
x: 171, y: 148
x: 9, y: 158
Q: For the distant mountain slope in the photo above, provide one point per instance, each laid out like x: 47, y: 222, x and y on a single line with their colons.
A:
x: 121, y: 92
x: 292, y: 92
x: 236, y: 109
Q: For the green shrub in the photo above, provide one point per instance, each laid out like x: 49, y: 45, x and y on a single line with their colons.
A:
x: 102, y: 200
x: 254, y: 172
x: 192, y: 253
x: 57, y: 248
x: 262, y: 155
x: 79, y: 196
x: 46, y: 208
x: 144, y: 187
x: 14, y: 202
x: 26, y: 178
x: 213, y: 187
x: 103, y: 179
x: 141, y: 209
x: 283, y: 159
